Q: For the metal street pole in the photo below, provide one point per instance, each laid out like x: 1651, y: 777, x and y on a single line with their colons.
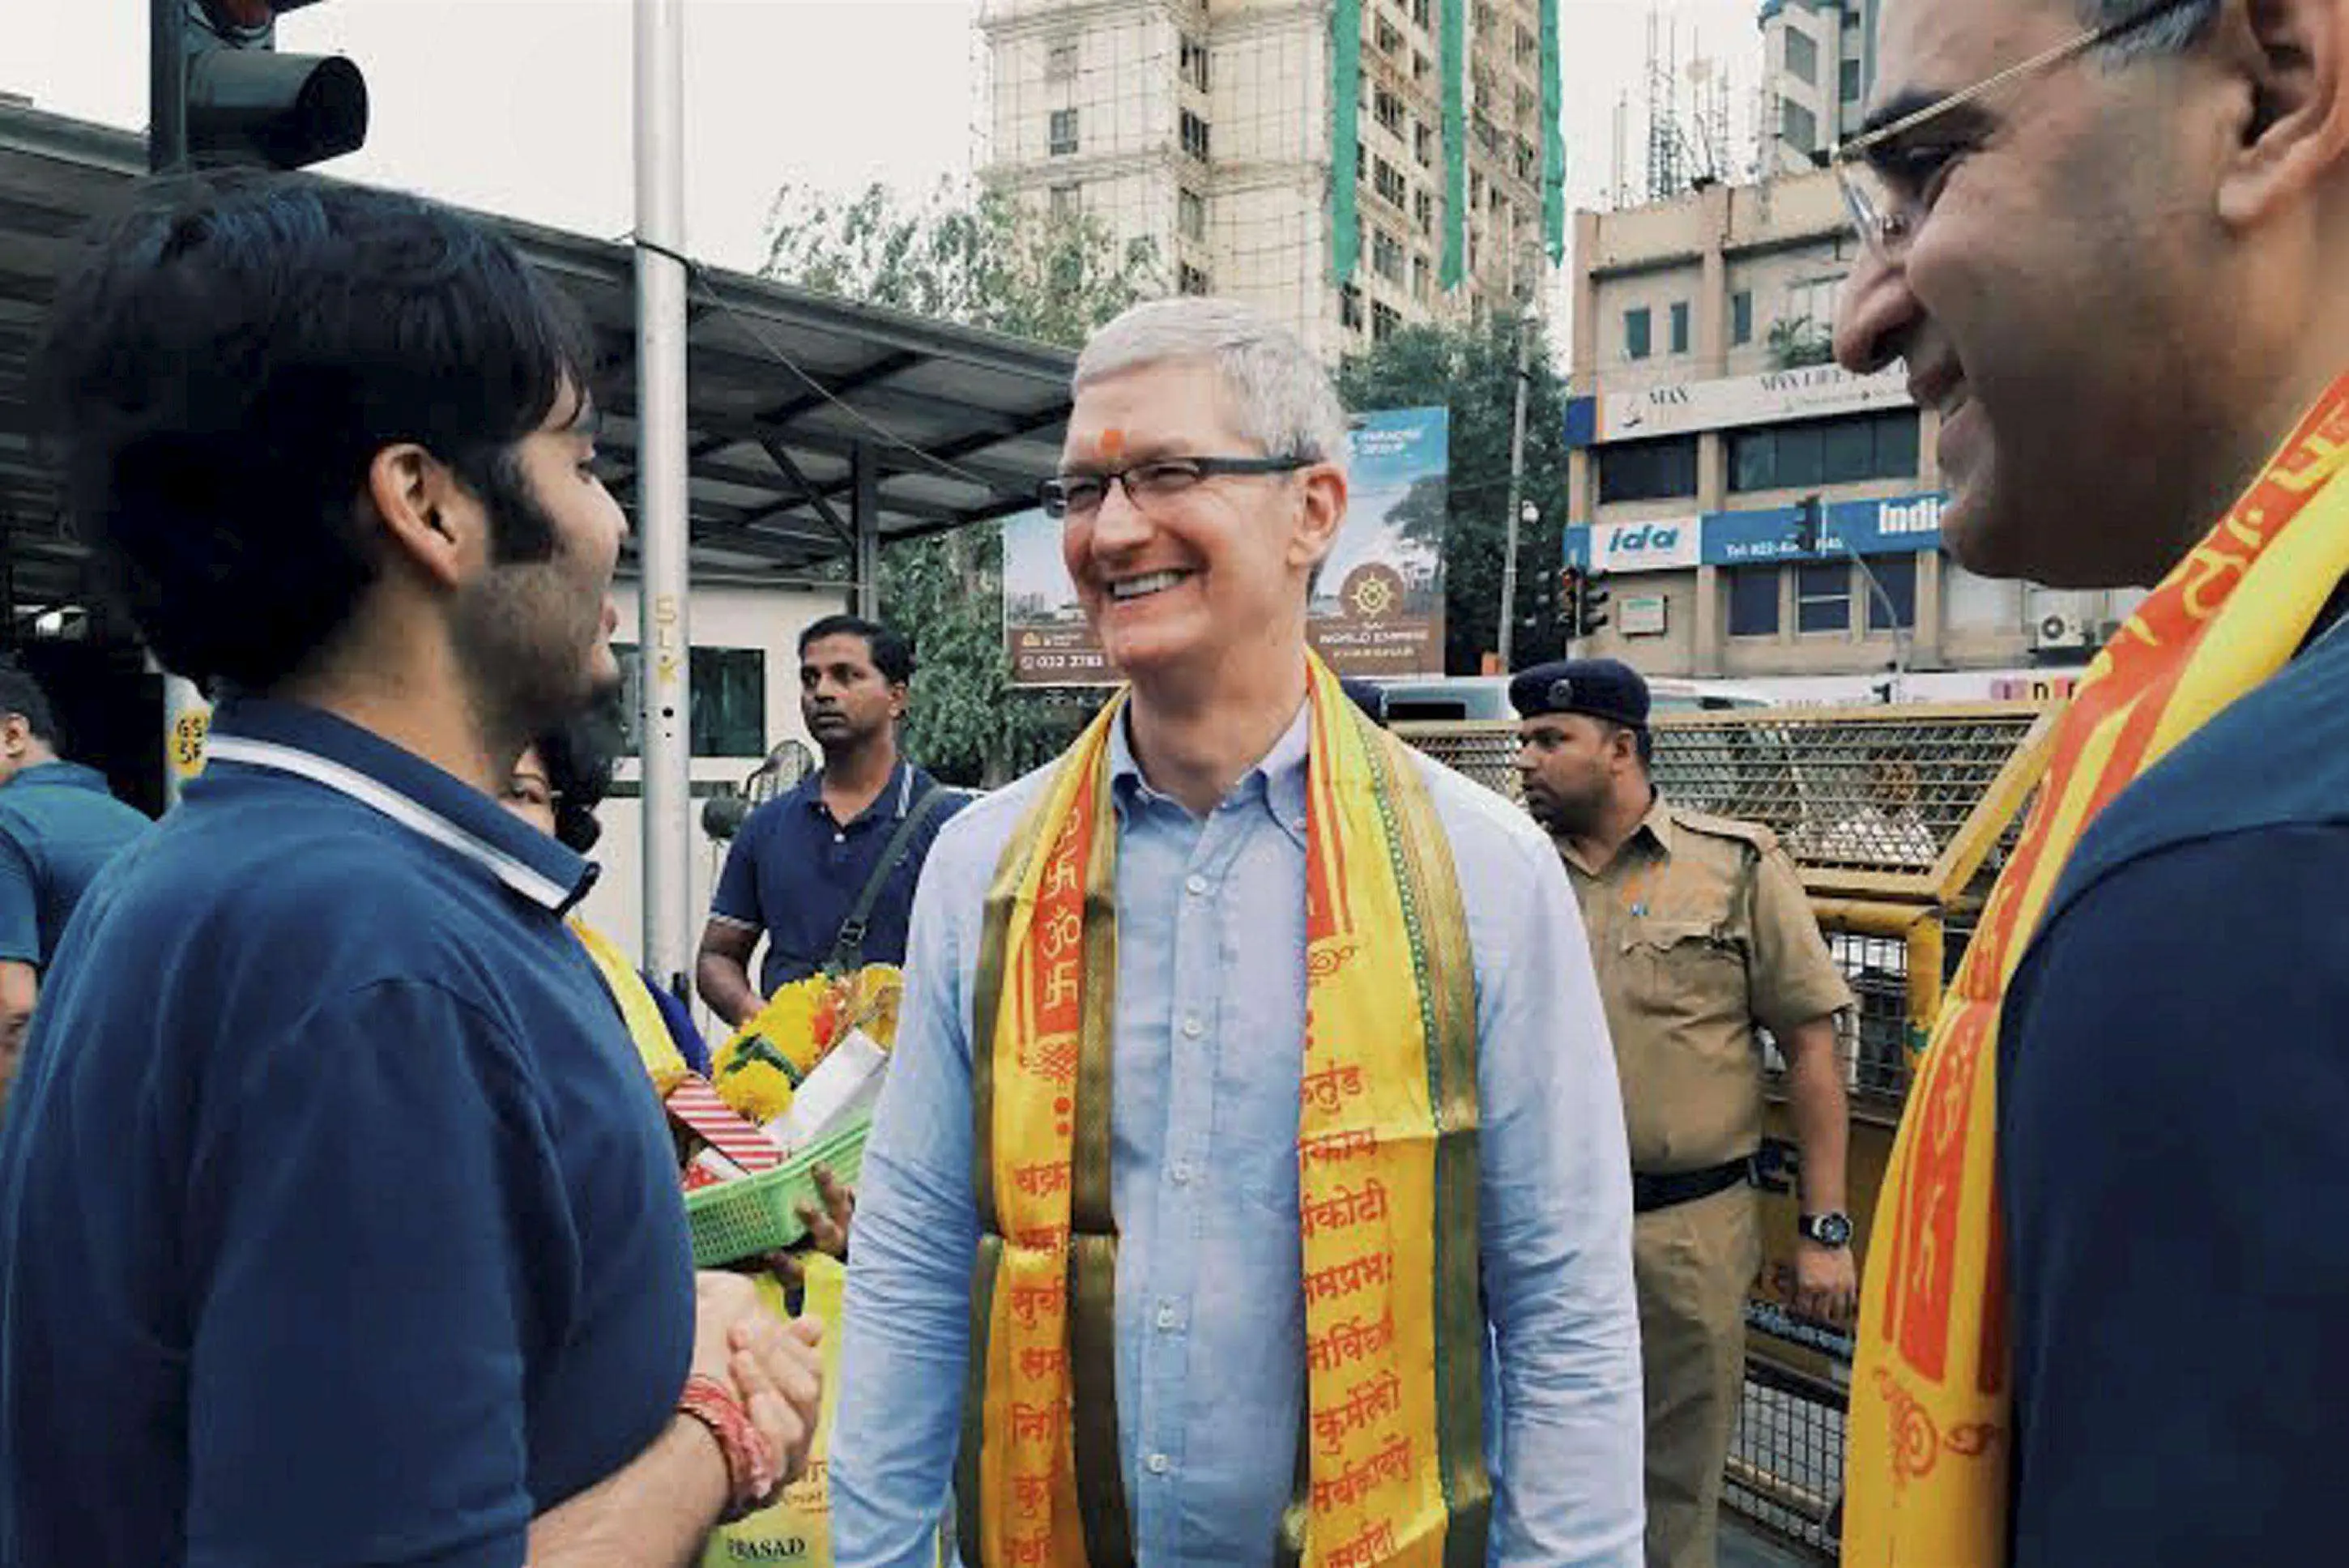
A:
x: 1516, y: 492
x: 166, y: 85
x: 665, y: 640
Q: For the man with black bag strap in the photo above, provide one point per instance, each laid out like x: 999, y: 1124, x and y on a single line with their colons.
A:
x: 1700, y: 932
x: 826, y: 875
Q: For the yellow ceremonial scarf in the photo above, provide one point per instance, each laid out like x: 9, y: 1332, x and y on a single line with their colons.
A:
x: 1387, y: 1166
x: 646, y: 1027
x: 1929, y: 1426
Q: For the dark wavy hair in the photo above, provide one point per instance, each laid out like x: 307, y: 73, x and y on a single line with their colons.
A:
x: 893, y: 656
x: 579, y: 757
x: 225, y: 359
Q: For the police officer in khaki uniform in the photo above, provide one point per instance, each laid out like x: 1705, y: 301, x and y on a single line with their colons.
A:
x: 1699, y: 931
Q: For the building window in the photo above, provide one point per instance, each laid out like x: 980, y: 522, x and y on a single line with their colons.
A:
x: 1802, y: 57
x: 1195, y: 136
x: 1422, y: 67
x: 1388, y: 108
x: 1528, y: 48
x: 1897, y: 575
x: 1387, y: 180
x: 1637, y: 327
x: 1422, y: 211
x: 1848, y: 450
x: 1191, y: 214
x: 1068, y: 200
x: 1419, y: 12
x: 728, y: 692
x: 1349, y: 308
x: 1194, y: 64
x: 1385, y: 322
x: 1190, y: 279
x: 1422, y: 279
x: 1662, y: 469
x: 1753, y: 601
x: 1386, y: 256
x: 1823, y: 596
x: 1680, y: 328
x: 1389, y: 38
x: 1848, y: 87
x: 1061, y: 62
x: 1064, y: 132
x: 1799, y: 127
x: 1740, y: 317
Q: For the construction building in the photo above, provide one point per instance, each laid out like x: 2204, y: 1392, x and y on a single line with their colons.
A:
x: 1818, y: 66
x: 1705, y: 414
x: 1349, y: 165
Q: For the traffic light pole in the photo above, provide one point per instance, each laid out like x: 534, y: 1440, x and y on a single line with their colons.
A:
x: 166, y: 85
x: 1508, y: 628
x: 666, y: 638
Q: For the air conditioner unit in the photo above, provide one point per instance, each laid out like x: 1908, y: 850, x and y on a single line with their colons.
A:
x: 2060, y: 629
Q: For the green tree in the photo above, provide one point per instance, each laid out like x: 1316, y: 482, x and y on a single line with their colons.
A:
x: 1470, y: 368
x: 982, y: 259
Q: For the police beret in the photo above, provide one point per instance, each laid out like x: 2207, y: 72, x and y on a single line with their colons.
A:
x: 1601, y: 688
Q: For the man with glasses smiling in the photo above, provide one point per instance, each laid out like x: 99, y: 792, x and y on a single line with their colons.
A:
x: 2100, y: 1323
x: 1243, y: 1264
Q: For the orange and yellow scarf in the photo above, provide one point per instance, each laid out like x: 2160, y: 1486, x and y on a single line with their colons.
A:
x: 1393, y: 1461
x: 1930, y: 1427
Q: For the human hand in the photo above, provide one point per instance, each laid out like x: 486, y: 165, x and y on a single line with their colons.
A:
x: 1827, y: 1284
x: 772, y: 1367
x: 827, y: 1227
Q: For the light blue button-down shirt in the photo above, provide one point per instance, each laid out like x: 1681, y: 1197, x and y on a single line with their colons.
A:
x: 1210, y: 1024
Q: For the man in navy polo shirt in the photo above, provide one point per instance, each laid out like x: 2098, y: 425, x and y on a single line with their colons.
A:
x: 58, y: 825
x: 826, y: 873
x: 346, y: 1231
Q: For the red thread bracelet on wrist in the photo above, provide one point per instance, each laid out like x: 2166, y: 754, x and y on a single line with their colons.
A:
x: 753, y: 1471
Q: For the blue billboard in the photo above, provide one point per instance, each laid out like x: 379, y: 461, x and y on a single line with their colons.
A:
x: 1898, y: 525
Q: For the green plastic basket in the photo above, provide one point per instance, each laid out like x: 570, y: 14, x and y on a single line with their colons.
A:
x: 760, y: 1214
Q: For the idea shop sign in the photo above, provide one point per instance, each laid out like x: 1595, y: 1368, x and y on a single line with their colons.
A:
x: 1659, y: 544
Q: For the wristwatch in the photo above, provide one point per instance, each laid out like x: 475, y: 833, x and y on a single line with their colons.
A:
x: 1832, y: 1229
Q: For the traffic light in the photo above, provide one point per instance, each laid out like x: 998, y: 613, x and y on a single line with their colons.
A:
x: 1582, y: 602
x: 222, y: 95
x: 1807, y: 519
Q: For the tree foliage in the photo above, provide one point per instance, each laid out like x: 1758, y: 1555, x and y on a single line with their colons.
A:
x: 984, y: 259
x: 1470, y: 368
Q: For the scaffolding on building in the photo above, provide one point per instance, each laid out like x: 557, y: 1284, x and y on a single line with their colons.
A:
x: 1298, y: 155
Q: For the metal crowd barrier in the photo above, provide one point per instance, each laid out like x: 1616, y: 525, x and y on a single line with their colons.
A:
x: 1897, y: 819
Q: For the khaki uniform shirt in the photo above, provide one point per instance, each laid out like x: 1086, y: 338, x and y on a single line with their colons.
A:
x: 1700, y: 929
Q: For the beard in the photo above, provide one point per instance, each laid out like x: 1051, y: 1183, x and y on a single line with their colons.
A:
x: 526, y: 636
x: 1578, y: 814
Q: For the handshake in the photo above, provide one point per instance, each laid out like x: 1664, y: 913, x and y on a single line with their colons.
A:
x: 773, y: 1372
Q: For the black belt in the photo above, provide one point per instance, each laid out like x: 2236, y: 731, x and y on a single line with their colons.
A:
x: 1652, y: 1192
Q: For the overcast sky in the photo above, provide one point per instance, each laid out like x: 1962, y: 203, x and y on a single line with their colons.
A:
x: 522, y: 105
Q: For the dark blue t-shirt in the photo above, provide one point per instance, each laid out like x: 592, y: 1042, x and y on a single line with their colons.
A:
x: 795, y: 874
x: 338, y: 1223
x: 2174, y: 1155
x: 58, y: 827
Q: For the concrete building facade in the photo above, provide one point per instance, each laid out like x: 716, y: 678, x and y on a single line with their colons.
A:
x: 1818, y: 66
x: 1208, y: 130
x: 1704, y: 413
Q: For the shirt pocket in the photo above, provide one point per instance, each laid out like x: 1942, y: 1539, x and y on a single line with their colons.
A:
x: 1684, y: 969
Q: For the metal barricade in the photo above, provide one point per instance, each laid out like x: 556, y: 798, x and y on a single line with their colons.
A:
x: 1897, y: 819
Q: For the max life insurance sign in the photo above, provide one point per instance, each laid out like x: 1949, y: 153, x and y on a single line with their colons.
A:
x: 1378, y: 604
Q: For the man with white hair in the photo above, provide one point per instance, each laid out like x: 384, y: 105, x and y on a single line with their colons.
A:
x: 1232, y: 1160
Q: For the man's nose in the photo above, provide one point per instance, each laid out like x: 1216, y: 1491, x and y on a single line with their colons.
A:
x: 1874, y: 314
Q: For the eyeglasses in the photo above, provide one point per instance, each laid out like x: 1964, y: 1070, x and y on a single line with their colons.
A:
x: 1151, y: 485
x: 1891, y: 193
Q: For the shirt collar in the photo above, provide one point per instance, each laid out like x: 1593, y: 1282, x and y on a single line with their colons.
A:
x: 70, y: 775
x: 1658, y: 825
x: 310, y: 743
x: 896, y: 799
x: 1277, y: 781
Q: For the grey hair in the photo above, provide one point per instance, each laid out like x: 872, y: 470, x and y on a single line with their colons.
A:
x: 1283, y: 398
x: 2178, y: 28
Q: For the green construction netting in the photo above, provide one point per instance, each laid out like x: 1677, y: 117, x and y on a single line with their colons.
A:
x: 1553, y: 94
x: 1455, y: 142
x: 1345, y: 138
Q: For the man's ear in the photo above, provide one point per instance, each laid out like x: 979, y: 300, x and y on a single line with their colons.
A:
x: 15, y: 735
x: 2289, y: 56
x: 1320, y: 517
x: 426, y: 516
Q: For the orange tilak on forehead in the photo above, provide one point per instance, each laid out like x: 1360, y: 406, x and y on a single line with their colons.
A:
x: 1109, y: 445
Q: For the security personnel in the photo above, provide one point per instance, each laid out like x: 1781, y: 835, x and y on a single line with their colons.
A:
x: 1699, y: 931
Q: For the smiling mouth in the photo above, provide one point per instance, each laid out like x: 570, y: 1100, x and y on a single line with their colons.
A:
x: 1133, y: 588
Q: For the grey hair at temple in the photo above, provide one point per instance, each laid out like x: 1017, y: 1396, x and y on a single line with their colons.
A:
x: 2176, y: 29
x: 1282, y: 397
